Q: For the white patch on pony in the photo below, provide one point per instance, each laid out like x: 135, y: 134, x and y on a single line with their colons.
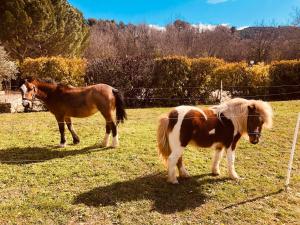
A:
x: 183, y: 172
x: 213, y: 131
x: 62, y: 145
x: 175, y: 144
x: 115, y: 141
x: 105, y: 140
x: 24, y: 88
x: 218, y: 154
x: 230, y: 164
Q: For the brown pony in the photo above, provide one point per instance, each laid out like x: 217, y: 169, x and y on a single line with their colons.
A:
x: 66, y: 102
x: 220, y: 127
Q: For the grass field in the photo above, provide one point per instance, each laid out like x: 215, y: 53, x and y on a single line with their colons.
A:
x: 85, y: 184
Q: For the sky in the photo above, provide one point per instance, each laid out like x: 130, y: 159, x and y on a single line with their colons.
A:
x: 237, y: 13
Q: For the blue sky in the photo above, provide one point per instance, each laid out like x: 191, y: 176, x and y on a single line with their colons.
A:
x: 161, y: 12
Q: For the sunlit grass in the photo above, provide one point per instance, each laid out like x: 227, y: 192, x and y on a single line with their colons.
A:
x: 41, y: 183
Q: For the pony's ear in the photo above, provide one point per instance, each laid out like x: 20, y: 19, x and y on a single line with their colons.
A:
x: 29, y: 79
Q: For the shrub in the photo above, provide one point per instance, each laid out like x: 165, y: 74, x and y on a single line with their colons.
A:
x: 202, y: 70
x: 171, y: 77
x: 242, y: 80
x: 181, y: 80
x: 259, y: 81
x: 69, y: 71
x: 133, y: 76
x: 285, y: 78
x: 231, y: 75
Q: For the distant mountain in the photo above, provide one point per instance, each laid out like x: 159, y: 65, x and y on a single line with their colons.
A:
x: 251, y: 32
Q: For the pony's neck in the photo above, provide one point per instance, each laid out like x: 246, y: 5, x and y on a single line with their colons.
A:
x: 237, y: 113
x: 44, y: 89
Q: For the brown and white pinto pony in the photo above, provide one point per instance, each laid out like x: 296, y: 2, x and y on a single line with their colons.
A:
x: 66, y: 102
x: 219, y: 126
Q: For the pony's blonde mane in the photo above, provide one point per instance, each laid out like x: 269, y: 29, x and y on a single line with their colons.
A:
x: 237, y: 111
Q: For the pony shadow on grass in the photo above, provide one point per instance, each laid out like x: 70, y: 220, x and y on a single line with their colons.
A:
x: 167, y: 198
x: 31, y: 155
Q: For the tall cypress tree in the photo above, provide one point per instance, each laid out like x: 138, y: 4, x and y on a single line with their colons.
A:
x: 31, y: 28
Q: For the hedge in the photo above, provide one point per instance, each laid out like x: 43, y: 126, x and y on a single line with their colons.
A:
x: 175, y: 80
x: 133, y: 76
x: 172, y: 80
x: 240, y: 79
x: 69, y: 71
x: 285, y: 80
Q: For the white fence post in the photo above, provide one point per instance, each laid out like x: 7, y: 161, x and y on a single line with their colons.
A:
x: 287, y: 182
x: 221, y: 91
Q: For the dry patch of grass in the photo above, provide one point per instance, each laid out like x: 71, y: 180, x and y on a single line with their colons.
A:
x: 41, y: 183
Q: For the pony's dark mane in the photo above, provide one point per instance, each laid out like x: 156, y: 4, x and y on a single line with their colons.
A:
x: 48, y: 83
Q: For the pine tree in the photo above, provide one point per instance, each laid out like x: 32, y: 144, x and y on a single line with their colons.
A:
x: 42, y: 28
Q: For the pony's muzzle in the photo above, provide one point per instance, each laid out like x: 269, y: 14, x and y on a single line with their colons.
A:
x: 26, y: 103
x: 254, y: 139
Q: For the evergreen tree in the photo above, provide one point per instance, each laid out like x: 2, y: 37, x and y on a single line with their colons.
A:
x: 32, y: 28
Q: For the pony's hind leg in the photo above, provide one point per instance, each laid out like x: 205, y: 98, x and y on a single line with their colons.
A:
x: 76, y: 139
x: 215, y: 169
x: 110, y: 128
x: 105, y: 141
x: 115, y: 141
x: 181, y: 168
x: 172, y: 161
x: 176, y: 153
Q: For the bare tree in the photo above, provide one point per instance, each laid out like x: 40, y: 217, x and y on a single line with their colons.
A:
x: 109, y: 39
x: 296, y: 17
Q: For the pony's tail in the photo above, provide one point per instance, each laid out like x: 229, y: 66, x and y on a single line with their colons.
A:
x: 120, y: 106
x: 162, y: 138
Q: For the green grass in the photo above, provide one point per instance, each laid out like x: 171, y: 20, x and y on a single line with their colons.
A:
x: 43, y: 184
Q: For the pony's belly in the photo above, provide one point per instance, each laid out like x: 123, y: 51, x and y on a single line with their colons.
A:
x: 206, y: 141
x: 81, y: 112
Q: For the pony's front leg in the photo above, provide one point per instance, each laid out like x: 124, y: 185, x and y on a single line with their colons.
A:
x: 181, y: 168
x: 61, y: 126
x: 230, y: 162
x: 76, y: 139
x: 216, y: 161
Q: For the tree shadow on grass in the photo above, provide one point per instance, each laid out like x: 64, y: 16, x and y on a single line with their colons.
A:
x: 167, y: 198
x: 31, y: 155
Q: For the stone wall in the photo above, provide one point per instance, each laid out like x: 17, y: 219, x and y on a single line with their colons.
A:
x: 11, y: 102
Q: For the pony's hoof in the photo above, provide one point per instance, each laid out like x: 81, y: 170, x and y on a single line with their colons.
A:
x: 114, y: 145
x: 172, y: 181
x: 184, y: 174
x: 75, y: 142
x: 215, y: 173
x: 62, y: 145
x: 101, y: 145
x: 234, y: 177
